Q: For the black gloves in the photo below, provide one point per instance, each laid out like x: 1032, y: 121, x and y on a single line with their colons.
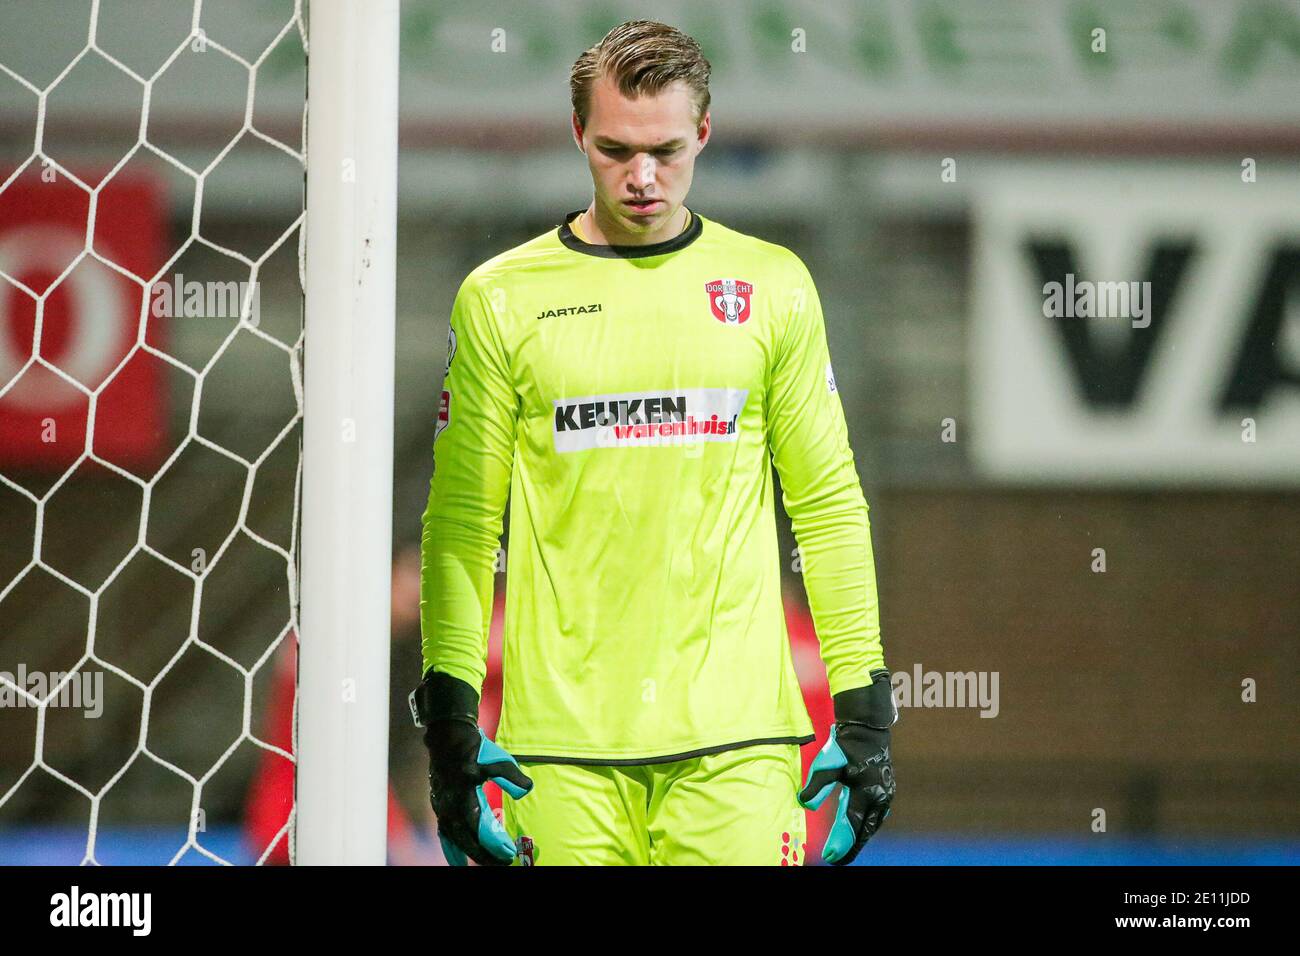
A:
x: 855, y: 756
x: 461, y: 759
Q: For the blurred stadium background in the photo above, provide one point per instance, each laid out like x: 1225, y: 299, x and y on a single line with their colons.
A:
x: 934, y: 163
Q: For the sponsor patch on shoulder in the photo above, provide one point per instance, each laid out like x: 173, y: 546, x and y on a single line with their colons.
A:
x: 830, y: 378
x: 444, y: 413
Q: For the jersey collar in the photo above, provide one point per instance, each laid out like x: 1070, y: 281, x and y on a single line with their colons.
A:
x: 681, y: 241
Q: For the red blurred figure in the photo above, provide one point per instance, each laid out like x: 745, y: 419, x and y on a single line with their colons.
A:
x: 817, y: 698
x: 270, y: 797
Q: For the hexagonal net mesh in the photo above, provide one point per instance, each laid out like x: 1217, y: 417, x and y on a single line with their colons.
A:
x: 151, y: 164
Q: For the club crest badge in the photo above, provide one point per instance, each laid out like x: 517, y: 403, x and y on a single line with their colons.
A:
x: 527, y: 851
x: 729, y: 300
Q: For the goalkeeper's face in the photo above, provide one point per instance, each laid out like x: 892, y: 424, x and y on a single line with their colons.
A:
x: 642, y: 157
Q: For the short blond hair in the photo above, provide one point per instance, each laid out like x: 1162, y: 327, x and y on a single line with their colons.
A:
x: 642, y: 57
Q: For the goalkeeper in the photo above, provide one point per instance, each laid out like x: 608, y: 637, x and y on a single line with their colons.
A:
x: 627, y: 381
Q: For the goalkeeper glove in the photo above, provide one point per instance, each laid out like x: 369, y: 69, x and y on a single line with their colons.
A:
x: 461, y: 759
x: 857, y: 758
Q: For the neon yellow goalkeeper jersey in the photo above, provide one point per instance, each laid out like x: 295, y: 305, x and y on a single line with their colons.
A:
x: 630, y: 401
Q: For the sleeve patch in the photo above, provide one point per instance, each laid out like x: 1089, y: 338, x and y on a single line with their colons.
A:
x: 444, y: 413
x: 830, y: 378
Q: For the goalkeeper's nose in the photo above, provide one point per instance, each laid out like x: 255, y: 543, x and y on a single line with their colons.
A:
x: 644, y: 171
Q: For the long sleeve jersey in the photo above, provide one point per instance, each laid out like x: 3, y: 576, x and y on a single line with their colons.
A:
x: 630, y: 402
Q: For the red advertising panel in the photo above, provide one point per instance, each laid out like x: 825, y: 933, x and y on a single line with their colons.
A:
x: 90, y: 323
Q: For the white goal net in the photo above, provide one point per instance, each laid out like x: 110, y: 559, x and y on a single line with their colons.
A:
x: 151, y: 400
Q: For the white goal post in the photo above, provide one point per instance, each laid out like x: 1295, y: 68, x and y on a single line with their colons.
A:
x: 343, y: 677
x: 171, y: 580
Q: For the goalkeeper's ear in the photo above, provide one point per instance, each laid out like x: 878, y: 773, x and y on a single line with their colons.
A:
x: 576, y: 126
x: 703, y: 130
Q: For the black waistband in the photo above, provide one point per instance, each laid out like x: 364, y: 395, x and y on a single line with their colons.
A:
x: 670, y: 758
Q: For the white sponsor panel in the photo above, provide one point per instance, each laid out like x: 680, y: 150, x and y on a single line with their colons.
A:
x: 635, y: 419
x: 1202, y: 388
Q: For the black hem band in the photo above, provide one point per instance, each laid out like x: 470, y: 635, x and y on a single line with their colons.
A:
x: 671, y: 758
x: 687, y: 236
